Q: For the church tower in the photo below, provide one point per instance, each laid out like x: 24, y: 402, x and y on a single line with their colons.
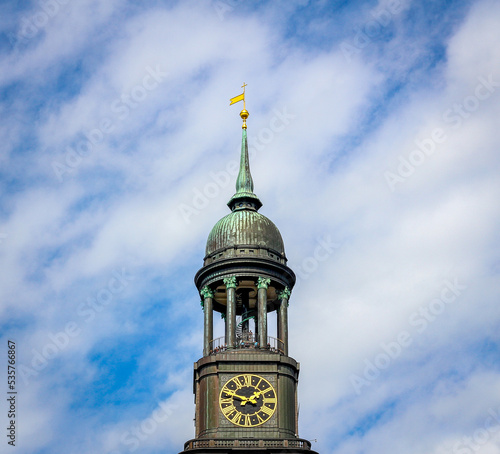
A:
x: 245, y: 385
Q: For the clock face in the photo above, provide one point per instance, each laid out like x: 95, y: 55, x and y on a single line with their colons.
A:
x: 248, y: 400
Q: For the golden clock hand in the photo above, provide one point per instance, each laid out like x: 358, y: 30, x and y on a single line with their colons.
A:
x: 237, y: 396
x: 234, y: 394
x: 256, y: 395
x: 244, y: 400
x: 253, y: 398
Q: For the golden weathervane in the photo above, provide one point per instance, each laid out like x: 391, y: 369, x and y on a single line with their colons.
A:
x: 244, y: 113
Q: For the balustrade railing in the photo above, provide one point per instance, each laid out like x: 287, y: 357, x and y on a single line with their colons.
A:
x: 246, y: 341
x: 247, y: 443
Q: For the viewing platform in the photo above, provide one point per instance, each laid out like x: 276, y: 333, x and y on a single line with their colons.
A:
x: 254, y: 443
x: 247, y: 342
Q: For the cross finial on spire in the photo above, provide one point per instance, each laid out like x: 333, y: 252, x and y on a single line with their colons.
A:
x: 243, y: 86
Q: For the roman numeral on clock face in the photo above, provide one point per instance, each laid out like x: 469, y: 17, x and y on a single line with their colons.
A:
x: 268, y: 411
x: 228, y: 410
x: 235, y: 419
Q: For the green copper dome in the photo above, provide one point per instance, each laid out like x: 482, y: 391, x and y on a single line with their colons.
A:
x: 245, y: 228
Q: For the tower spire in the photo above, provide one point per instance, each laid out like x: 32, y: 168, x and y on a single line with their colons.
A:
x: 245, y: 385
x: 244, y: 198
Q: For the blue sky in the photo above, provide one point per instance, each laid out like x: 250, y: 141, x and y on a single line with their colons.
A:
x: 373, y: 135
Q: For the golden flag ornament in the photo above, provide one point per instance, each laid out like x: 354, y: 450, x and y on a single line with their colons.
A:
x: 237, y: 99
x: 244, y: 112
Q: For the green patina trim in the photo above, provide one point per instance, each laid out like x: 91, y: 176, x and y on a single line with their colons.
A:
x: 285, y: 293
x: 223, y: 315
x: 230, y: 282
x: 206, y: 292
x: 263, y: 282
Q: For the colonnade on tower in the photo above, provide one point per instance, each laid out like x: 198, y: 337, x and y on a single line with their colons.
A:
x: 234, y: 338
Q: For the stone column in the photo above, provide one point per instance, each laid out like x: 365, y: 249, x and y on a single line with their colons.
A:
x: 230, y: 283
x: 208, y: 323
x: 262, y: 285
x: 284, y: 297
